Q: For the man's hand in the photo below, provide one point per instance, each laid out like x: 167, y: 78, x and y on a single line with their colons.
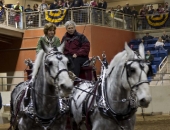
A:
x: 74, y: 56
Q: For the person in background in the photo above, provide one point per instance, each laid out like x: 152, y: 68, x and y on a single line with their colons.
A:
x: 127, y: 10
x: 49, y: 37
x: 43, y: 6
x: 165, y: 37
x: 18, y: 10
x: 159, y: 44
x: 148, y: 57
x: 151, y: 11
x: 35, y: 7
x: 147, y: 37
x: 28, y: 9
x: 77, y: 47
x: 67, y: 4
x: 53, y: 5
x: 77, y: 15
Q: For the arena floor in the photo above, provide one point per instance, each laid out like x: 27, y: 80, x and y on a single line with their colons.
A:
x: 158, y: 122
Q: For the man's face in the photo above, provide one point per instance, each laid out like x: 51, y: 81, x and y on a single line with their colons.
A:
x: 71, y: 29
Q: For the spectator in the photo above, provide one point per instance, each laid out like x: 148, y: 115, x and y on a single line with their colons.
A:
x: 166, y: 7
x: 93, y: 3
x: 85, y: 11
x: 134, y: 12
x: 18, y: 10
x: 67, y: 4
x: 60, y: 4
x: 151, y: 11
x: 54, y: 5
x: 148, y: 57
x: 159, y: 44
x: 102, y: 4
x: 119, y: 17
x: 28, y: 9
x: 49, y: 39
x: 35, y: 7
x: 43, y: 6
x: 77, y: 47
x: 77, y: 3
x: 165, y: 37
x: 77, y: 15
x: 147, y: 37
x: 160, y: 9
x: 127, y: 10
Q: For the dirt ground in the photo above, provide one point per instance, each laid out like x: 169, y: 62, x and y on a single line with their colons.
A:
x: 158, y: 122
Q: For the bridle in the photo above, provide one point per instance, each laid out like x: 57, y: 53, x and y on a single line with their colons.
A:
x: 128, y: 73
x: 59, y: 57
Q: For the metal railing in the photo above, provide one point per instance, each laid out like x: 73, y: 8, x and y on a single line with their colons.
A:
x: 7, y: 82
x: 82, y: 15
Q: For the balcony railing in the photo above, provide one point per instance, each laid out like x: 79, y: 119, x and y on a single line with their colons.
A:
x: 82, y: 16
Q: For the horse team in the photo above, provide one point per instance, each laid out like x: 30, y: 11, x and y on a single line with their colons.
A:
x: 109, y: 103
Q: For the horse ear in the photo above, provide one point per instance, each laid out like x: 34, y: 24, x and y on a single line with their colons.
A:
x: 61, y: 47
x: 130, y: 53
x: 141, y: 50
x: 44, y: 47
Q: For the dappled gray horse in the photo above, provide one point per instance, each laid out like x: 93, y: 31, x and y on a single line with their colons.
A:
x: 111, y: 103
x: 50, y: 81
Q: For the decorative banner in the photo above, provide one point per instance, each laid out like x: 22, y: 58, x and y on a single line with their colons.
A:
x: 1, y: 11
x: 157, y: 21
x: 55, y: 16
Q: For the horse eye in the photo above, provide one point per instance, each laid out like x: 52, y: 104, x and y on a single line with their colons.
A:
x: 132, y: 70
x: 50, y: 63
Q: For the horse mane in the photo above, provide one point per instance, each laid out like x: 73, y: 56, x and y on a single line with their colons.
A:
x: 121, y: 56
x: 37, y: 63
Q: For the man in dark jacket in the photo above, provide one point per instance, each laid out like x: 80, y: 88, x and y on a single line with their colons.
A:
x: 77, y: 15
x: 149, y: 58
x: 147, y: 37
x: 77, y: 47
x: 127, y: 11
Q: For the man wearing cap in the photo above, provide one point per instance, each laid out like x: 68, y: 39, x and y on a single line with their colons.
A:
x: 127, y: 10
x: 147, y: 37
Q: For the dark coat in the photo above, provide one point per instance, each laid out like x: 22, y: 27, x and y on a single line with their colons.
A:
x: 77, y: 3
x: 76, y: 44
x: 103, y: 5
x: 150, y: 58
x: 145, y: 38
x: 127, y: 10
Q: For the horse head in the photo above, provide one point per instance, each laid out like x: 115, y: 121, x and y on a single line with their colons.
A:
x: 56, y: 71
x: 136, y: 75
x: 130, y: 72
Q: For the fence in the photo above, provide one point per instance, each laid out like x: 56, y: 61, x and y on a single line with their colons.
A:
x: 83, y: 15
x: 9, y: 82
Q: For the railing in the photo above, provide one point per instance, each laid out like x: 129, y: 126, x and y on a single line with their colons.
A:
x: 86, y: 15
x: 6, y: 83
x: 83, y: 15
x: 152, y: 21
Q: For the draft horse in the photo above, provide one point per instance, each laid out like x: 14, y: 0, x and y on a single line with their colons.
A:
x: 50, y: 81
x: 111, y: 103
